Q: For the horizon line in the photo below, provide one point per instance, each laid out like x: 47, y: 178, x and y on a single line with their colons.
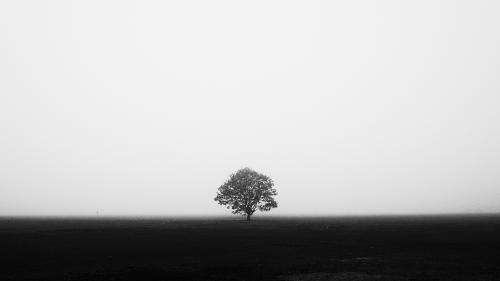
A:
x: 153, y: 216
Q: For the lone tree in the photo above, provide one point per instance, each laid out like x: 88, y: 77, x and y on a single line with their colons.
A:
x: 246, y: 191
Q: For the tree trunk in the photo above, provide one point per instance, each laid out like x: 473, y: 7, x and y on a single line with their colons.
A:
x: 248, y: 217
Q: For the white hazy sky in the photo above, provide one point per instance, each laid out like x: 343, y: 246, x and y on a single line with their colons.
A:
x: 352, y: 107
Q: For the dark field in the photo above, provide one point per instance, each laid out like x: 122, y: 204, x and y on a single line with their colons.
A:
x: 341, y: 248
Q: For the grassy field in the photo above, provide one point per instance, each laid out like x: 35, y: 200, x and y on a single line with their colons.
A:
x: 281, y: 248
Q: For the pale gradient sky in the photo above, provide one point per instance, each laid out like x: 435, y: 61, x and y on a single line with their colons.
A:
x: 352, y: 107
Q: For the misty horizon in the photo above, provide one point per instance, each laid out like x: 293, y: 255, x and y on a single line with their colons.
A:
x: 115, y: 108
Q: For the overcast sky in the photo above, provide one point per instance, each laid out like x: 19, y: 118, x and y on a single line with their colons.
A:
x: 352, y: 107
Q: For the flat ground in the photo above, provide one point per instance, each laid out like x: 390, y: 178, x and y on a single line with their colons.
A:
x: 328, y: 248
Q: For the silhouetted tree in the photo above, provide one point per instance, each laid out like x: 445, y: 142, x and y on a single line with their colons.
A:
x: 246, y: 191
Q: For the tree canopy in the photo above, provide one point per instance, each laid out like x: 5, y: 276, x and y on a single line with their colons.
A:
x: 247, y: 191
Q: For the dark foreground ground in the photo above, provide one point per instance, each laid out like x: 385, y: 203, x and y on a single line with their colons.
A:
x: 348, y: 248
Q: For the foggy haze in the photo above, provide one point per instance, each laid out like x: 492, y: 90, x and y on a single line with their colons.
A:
x: 351, y: 107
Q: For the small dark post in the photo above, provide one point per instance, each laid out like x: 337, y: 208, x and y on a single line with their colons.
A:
x: 248, y: 217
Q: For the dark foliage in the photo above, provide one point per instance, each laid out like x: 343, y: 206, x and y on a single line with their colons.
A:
x: 246, y: 191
